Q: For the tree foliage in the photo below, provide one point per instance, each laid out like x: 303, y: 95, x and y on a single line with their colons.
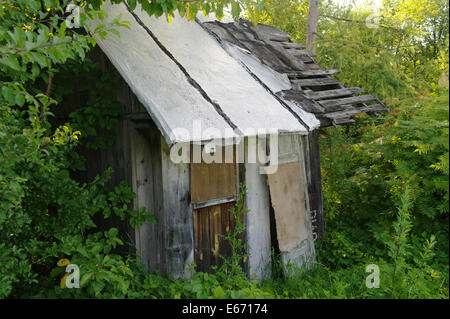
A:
x: 398, y: 52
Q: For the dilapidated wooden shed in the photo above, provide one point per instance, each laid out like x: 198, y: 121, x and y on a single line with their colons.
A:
x: 221, y: 88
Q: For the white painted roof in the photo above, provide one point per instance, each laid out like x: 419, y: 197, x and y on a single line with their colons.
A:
x: 185, y: 78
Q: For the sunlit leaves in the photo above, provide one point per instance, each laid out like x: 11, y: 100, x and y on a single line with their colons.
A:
x: 132, y: 4
x: 288, y: 15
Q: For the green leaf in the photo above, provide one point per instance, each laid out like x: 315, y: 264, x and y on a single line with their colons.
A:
x: 235, y: 9
x: 11, y: 61
x: 219, y: 292
x: 260, y: 6
x: 18, y: 36
x: 98, y: 287
x: 20, y: 99
x: 132, y: 4
x: 115, y: 32
x: 85, y: 279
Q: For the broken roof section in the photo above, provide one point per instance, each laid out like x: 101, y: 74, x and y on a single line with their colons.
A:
x: 312, y: 89
x: 185, y: 78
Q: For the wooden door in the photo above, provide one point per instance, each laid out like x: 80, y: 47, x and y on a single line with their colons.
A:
x: 210, y: 223
x: 288, y: 192
x: 214, y: 190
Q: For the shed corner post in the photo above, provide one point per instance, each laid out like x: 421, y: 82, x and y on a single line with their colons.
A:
x: 178, y: 215
x: 258, y: 219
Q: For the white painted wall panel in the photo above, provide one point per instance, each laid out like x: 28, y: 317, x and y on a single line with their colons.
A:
x: 258, y: 222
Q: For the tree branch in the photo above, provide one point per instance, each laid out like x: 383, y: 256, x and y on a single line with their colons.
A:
x: 47, y: 45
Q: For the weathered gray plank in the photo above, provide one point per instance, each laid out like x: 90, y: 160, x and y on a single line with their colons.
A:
x: 311, y: 66
x: 287, y: 56
x: 302, y: 101
x: 319, y: 95
x: 270, y: 33
x: 348, y: 101
x: 305, y: 58
x: 221, y: 31
x: 314, y: 177
x: 258, y: 219
x: 305, y: 53
x: 258, y: 42
x: 147, y: 180
x: 293, y: 45
x: 353, y: 110
x: 298, y: 84
x: 305, y: 73
x: 342, y: 121
x: 178, y: 214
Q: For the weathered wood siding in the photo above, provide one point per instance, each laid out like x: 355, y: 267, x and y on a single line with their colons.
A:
x: 163, y: 188
x: 214, y: 189
x: 147, y: 181
x: 314, y: 176
x: 211, y: 223
x: 178, y: 216
x: 118, y: 158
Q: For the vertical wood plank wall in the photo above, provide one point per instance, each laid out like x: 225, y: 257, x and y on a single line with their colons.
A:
x: 162, y: 187
x: 146, y: 159
x: 118, y: 156
x: 178, y: 215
